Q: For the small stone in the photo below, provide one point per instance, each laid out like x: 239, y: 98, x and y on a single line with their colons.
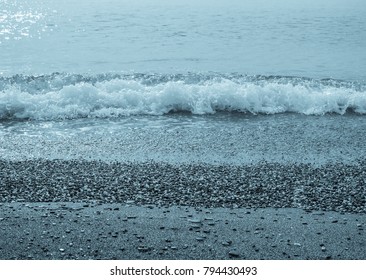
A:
x: 62, y: 250
x: 196, y: 226
x: 226, y: 243
x: 143, y: 248
x: 195, y: 221
x: 234, y: 254
x: 131, y: 217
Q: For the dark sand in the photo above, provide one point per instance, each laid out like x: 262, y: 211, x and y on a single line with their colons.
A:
x: 96, y: 210
x: 115, y: 231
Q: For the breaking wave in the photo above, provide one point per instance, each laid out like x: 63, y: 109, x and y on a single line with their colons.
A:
x: 70, y: 96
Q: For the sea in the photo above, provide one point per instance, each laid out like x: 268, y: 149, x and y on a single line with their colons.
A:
x: 209, y: 81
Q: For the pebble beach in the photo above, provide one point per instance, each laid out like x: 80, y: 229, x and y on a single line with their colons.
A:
x: 57, y: 209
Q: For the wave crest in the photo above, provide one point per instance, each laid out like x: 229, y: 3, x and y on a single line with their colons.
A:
x: 68, y: 96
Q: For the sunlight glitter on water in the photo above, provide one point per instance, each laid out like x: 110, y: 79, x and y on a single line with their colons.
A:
x: 18, y: 21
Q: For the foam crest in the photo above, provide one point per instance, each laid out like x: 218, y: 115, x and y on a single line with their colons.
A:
x: 61, y: 96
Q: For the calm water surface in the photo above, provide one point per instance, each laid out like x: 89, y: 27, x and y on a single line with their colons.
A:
x: 321, y: 39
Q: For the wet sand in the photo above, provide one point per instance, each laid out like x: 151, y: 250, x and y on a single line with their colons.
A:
x: 126, y: 231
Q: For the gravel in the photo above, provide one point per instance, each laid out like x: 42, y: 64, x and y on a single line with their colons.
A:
x: 332, y: 187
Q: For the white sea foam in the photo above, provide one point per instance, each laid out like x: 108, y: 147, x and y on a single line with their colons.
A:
x: 67, y: 97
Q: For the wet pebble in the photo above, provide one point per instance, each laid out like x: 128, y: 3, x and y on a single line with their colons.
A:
x: 234, y: 254
x: 143, y: 248
x: 195, y: 221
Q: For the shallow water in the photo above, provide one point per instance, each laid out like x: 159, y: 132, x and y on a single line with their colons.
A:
x: 215, y: 139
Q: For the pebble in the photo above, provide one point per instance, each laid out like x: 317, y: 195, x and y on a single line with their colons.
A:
x: 234, y: 254
x: 143, y: 248
x: 226, y: 243
x: 131, y: 217
x: 196, y: 221
x: 196, y: 226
